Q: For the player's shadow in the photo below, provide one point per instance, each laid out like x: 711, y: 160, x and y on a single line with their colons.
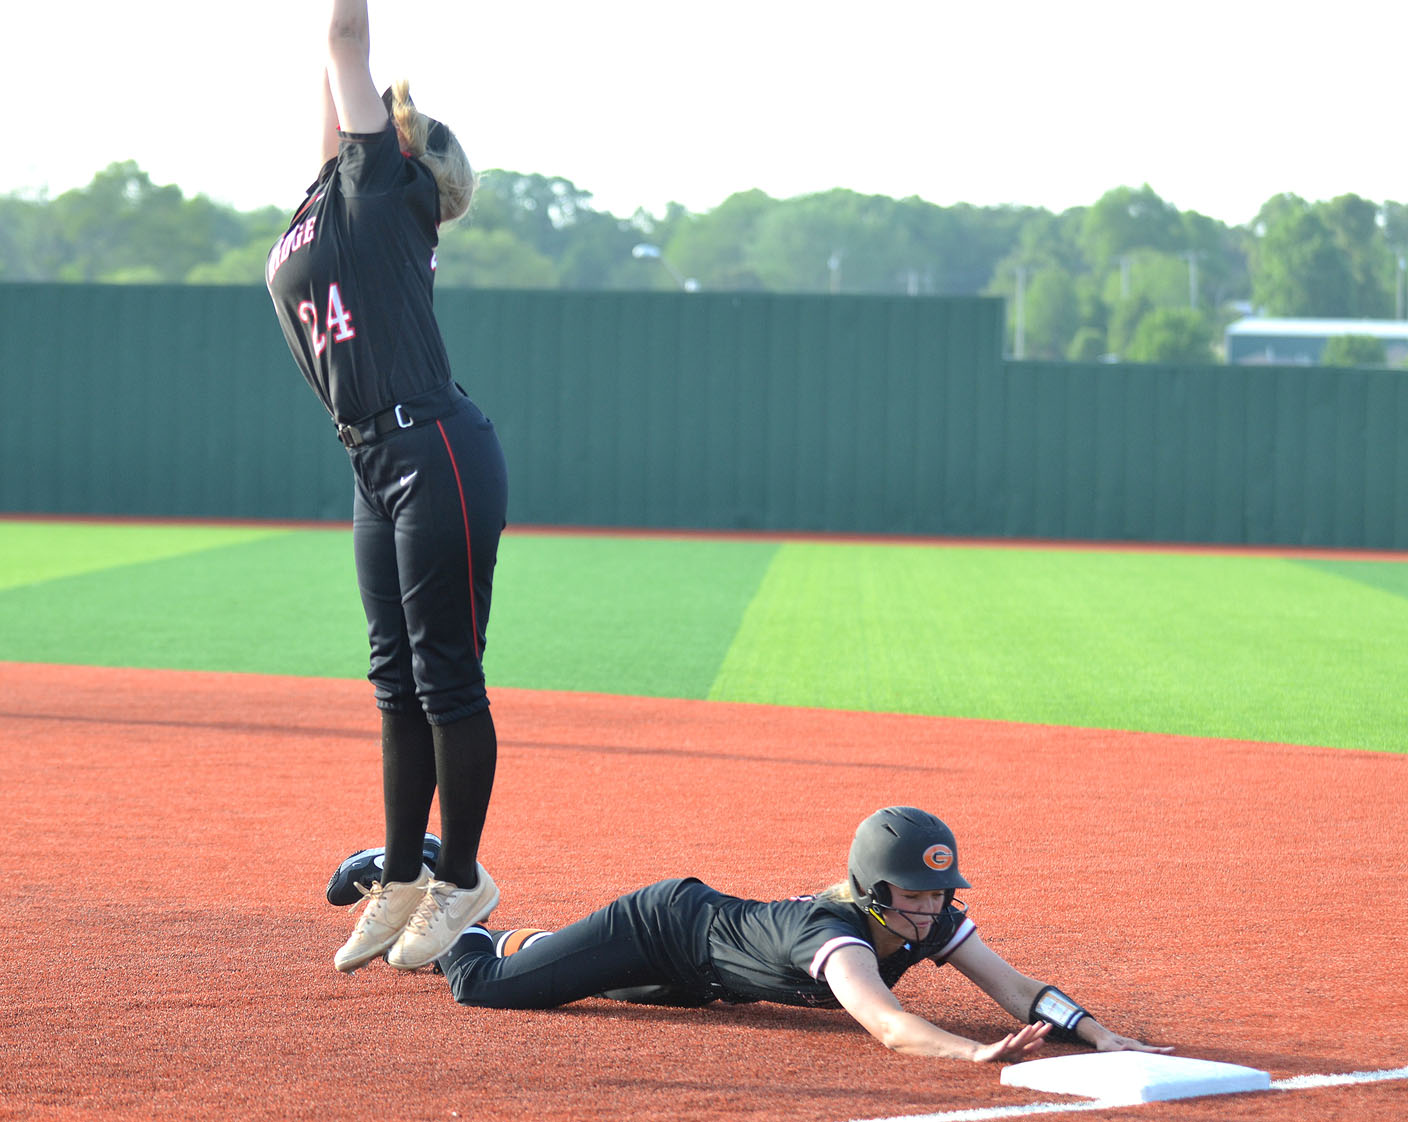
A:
x: 859, y: 760
x: 762, y: 1016
x: 766, y: 1017
x: 1279, y: 1064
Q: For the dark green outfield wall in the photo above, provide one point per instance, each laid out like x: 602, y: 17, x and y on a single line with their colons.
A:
x: 725, y: 411
x: 1286, y: 455
x: 130, y: 399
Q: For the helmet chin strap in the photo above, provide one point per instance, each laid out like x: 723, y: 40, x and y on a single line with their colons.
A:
x: 876, y: 909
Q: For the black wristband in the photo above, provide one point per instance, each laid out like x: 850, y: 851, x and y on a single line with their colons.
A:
x: 1057, y: 1010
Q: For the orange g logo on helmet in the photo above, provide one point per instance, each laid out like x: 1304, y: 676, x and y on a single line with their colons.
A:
x: 939, y: 857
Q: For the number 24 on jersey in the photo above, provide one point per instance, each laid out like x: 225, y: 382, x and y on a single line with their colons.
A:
x: 339, y: 320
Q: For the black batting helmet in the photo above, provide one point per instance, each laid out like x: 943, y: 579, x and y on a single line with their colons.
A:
x: 906, y: 847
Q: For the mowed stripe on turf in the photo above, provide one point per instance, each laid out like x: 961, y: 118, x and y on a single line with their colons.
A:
x: 32, y: 551
x: 652, y: 617
x: 1244, y: 647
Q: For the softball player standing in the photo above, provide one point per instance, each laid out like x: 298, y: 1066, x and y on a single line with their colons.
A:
x: 352, y: 283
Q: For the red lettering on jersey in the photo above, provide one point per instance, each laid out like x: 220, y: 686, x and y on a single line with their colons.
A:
x: 295, y: 239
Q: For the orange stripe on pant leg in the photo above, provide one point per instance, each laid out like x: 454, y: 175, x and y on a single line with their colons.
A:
x: 515, y: 940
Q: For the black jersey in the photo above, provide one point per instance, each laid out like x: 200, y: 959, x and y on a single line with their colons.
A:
x: 352, y: 280
x: 777, y: 951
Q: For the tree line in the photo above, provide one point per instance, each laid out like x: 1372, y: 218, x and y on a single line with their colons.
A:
x: 1128, y: 276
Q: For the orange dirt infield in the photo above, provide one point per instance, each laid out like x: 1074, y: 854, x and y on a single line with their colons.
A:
x: 170, y: 948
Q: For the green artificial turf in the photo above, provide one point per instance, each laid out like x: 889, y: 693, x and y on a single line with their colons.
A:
x: 1245, y: 647
x: 1392, y: 579
x: 646, y: 616
x: 652, y: 617
x: 46, y: 551
x: 275, y: 603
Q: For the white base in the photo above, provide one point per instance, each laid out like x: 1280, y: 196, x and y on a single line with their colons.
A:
x: 1125, y: 1078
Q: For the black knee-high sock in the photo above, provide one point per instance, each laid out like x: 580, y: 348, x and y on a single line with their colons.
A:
x: 466, y: 753
x: 408, y: 785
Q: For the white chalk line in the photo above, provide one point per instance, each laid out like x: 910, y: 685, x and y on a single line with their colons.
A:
x: 1301, y: 1082
x: 1294, y: 1083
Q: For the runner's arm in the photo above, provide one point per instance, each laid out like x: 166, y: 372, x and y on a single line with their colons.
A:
x: 855, y: 981
x: 1016, y: 992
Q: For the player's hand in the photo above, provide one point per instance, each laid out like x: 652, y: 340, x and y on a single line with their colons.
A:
x: 1109, y: 1041
x: 1014, y: 1046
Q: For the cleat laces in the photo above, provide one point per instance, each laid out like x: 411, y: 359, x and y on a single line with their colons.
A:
x: 376, y: 904
x: 436, y: 897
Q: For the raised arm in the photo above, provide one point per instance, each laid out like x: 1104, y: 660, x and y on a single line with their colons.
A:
x: 1016, y: 992
x: 354, y: 96
x: 327, y: 148
x: 854, y: 978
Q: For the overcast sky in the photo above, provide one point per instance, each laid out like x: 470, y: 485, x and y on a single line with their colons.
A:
x: 1216, y: 105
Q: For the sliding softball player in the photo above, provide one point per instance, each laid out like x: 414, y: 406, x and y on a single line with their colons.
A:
x: 680, y: 942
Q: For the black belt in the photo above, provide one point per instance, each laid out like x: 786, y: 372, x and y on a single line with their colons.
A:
x: 414, y: 411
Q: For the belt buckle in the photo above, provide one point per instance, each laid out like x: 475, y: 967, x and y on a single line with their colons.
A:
x: 349, y: 436
x: 404, y: 422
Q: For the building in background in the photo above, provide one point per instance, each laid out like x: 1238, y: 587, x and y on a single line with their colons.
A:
x: 1258, y: 340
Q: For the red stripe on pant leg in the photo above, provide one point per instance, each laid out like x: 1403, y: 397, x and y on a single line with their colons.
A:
x: 468, y: 551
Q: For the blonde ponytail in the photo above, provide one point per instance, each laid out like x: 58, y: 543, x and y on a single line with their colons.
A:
x: 447, y: 163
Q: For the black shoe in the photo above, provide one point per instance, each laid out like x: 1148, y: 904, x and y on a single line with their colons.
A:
x: 365, y: 866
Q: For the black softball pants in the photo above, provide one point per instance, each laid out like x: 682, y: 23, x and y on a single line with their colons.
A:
x: 429, y: 506
x: 650, y: 947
